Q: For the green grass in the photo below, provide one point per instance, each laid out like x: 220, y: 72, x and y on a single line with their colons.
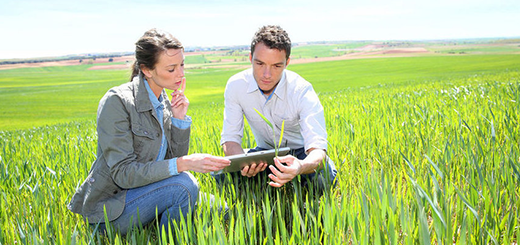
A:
x: 337, y: 75
x: 478, y: 49
x: 313, y: 51
x: 33, y: 97
x: 427, y: 148
x: 195, y: 59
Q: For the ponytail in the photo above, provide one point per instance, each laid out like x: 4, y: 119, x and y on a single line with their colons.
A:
x: 135, y: 70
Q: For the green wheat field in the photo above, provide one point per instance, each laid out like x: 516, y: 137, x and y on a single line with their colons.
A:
x: 427, y: 149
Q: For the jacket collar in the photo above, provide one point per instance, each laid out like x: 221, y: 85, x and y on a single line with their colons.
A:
x: 142, y: 97
x: 142, y: 101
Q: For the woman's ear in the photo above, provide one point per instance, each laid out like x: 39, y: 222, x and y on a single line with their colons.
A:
x: 146, y: 71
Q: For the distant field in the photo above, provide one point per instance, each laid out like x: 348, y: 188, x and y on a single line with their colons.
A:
x: 32, y: 97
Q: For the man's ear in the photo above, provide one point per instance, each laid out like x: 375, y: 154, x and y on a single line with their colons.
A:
x: 287, y: 62
x: 250, y: 57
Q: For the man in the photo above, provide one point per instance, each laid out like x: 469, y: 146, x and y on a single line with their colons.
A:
x: 280, y: 95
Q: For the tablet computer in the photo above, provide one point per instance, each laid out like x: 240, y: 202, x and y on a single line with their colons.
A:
x: 241, y: 160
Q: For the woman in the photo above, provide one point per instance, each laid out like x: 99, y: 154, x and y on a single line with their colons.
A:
x: 143, y: 139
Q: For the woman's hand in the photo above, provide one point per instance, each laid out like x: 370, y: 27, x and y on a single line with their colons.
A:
x: 179, y: 101
x: 283, y: 174
x: 202, y: 163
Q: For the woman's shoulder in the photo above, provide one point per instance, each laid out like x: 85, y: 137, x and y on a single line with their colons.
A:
x: 119, y: 94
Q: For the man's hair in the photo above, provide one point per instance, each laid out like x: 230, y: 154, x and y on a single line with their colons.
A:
x: 274, y: 37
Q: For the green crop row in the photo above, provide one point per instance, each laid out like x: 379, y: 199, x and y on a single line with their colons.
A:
x: 420, y: 162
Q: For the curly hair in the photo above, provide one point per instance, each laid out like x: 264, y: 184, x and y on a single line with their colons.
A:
x: 274, y: 37
x: 149, y: 46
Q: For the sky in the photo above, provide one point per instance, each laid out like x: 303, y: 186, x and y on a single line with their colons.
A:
x: 43, y: 28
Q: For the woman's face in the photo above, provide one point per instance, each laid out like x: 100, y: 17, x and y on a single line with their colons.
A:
x: 168, y: 71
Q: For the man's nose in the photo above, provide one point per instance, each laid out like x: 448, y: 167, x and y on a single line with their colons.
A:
x: 267, y: 72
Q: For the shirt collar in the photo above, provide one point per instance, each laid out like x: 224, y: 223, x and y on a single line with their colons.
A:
x: 156, y: 103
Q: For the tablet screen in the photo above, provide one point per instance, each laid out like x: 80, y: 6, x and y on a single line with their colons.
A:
x: 241, y: 160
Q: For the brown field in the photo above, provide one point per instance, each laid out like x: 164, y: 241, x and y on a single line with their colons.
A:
x: 367, y: 51
x: 85, y: 61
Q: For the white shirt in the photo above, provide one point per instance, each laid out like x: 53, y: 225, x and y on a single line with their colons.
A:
x: 293, y: 100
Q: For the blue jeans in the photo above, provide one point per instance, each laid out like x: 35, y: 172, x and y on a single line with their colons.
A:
x: 171, y: 197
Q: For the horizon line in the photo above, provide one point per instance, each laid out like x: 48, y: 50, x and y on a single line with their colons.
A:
x: 192, y: 48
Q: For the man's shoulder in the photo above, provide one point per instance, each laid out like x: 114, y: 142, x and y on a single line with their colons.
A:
x: 295, y: 81
x: 241, y: 76
x: 239, y: 82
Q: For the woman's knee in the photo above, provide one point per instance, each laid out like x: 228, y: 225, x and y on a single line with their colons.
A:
x: 191, y: 185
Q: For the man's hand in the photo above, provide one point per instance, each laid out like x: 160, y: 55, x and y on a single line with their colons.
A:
x: 286, y: 173
x: 253, y: 169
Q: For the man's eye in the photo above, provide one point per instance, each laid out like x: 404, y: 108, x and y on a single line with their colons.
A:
x: 172, y: 70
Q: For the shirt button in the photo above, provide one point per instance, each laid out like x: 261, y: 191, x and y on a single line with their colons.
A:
x: 146, y: 132
x: 91, y: 180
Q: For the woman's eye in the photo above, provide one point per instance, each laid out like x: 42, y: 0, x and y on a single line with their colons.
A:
x: 172, y: 70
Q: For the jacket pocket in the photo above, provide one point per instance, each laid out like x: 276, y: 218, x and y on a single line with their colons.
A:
x: 102, y: 193
x: 143, y: 137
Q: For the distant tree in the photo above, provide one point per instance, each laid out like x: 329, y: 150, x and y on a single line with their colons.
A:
x: 110, y: 60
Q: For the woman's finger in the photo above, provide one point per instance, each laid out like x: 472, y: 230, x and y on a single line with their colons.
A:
x: 183, y: 84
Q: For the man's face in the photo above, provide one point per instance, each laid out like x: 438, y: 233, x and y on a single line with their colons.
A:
x: 268, y: 65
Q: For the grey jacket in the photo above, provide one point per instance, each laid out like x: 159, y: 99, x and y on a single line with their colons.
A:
x: 129, y: 139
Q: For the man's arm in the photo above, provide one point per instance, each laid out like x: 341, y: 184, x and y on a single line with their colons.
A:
x: 232, y: 148
x: 313, y: 162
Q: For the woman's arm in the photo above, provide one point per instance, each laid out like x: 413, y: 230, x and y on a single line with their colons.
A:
x: 116, y: 131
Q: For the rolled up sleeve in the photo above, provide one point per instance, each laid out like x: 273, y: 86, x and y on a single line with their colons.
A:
x: 312, y: 120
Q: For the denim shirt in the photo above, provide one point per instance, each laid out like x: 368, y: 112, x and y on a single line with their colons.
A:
x: 158, y: 105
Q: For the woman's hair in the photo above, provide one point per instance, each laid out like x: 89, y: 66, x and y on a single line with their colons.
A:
x: 149, y: 46
x: 274, y: 37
